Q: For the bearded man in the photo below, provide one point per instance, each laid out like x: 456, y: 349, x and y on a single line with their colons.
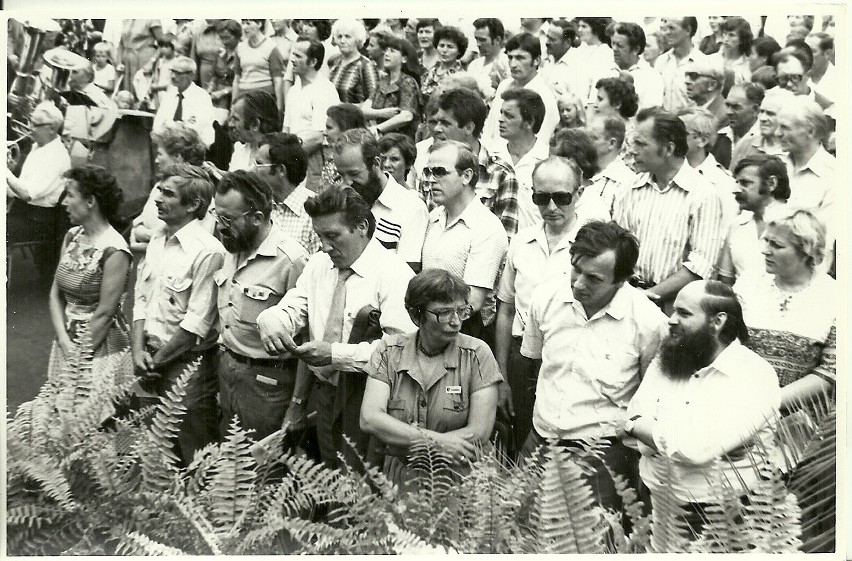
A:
x: 261, y: 265
x: 706, y: 402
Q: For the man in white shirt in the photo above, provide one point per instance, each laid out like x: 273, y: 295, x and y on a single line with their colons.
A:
x: 352, y: 272
x: 595, y: 337
x: 401, y: 215
x: 524, y: 52
x: 562, y: 68
x: 307, y: 102
x: 491, y: 66
x: 628, y: 44
x: 37, y: 191
x: 678, y: 32
x: 185, y: 101
x: 824, y: 75
x: 607, y: 136
x: 706, y: 402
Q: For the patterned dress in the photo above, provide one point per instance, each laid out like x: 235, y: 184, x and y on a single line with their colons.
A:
x: 356, y: 81
x: 79, y: 276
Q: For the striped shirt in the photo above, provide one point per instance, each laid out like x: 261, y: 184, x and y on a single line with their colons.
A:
x: 356, y: 82
x: 672, y: 70
x: 401, y: 219
x: 607, y: 182
x: 680, y: 225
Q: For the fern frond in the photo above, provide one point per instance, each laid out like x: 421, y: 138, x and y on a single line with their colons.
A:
x: 138, y: 544
x: 231, y: 484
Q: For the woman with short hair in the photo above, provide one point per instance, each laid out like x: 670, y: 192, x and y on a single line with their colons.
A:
x: 352, y: 73
x: 450, y: 43
x: 398, y: 155
x: 259, y: 64
x: 395, y: 106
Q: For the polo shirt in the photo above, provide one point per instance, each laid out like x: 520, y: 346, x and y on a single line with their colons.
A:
x: 401, y: 218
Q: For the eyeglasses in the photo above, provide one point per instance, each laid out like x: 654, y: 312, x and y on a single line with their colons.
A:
x: 784, y: 79
x: 696, y: 75
x: 444, y: 315
x: 39, y: 125
x: 258, y: 165
x: 561, y: 198
x: 436, y: 171
x: 226, y: 221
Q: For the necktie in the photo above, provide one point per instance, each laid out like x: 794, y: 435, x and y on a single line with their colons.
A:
x: 179, y: 110
x: 334, y: 323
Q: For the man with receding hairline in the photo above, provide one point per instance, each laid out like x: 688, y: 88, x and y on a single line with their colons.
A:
x: 184, y: 101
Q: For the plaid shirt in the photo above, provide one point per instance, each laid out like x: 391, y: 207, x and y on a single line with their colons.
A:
x: 498, y: 190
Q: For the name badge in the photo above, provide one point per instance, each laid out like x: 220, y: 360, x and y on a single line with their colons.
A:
x: 454, y: 390
x: 265, y: 380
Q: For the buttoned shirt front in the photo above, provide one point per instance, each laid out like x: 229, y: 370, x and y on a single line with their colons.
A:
x: 401, y: 218
x: 679, y: 225
x: 249, y: 283
x: 699, y: 420
x: 812, y: 186
x: 379, y: 279
x: 672, y: 71
x: 590, y: 366
x: 609, y: 181
x: 565, y: 75
x: 522, y: 170
x: 724, y: 183
x: 306, y: 105
x: 175, y: 286
x: 197, y: 111
x: 291, y: 217
x: 648, y: 84
x: 41, y: 174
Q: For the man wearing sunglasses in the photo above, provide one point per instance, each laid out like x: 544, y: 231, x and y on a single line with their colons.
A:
x: 184, y: 101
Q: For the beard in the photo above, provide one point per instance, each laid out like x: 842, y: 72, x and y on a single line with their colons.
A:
x: 235, y: 242
x: 683, y: 355
x: 370, y: 190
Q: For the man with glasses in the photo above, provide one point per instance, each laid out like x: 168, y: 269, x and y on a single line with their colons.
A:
x: 184, y: 101
x: 261, y: 265
x: 174, y: 307
x: 593, y: 338
x: 463, y: 236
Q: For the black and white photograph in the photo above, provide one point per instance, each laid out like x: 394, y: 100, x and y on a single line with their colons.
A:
x: 457, y: 281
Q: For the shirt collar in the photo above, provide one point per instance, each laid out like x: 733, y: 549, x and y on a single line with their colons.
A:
x: 614, y: 170
x: 390, y: 196
x: 365, y: 265
x: 408, y: 359
x: 188, y: 236
x: 617, y: 307
x: 821, y: 164
x: 681, y: 179
x: 709, y: 164
x: 295, y: 201
x: 729, y: 362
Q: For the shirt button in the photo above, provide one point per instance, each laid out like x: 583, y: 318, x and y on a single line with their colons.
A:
x: 696, y: 376
x: 227, y: 327
x: 231, y: 304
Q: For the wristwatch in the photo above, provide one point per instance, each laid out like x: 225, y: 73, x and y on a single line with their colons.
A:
x: 297, y: 400
x: 630, y: 424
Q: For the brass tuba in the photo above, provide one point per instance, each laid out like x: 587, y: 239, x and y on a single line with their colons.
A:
x: 26, y: 90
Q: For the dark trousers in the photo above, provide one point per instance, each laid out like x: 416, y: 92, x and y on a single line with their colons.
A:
x: 338, y: 415
x: 621, y: 459
x: 523, y: 377
x: 30, y: 223
x: 258, y: 394
x: 199, y: 425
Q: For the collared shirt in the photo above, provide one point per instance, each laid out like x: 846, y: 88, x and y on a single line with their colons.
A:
x: 472, y: 246
x: 754, y: 144
x: 698, y: 421
x: 742, y: 252
x: 424, y: 189
x: 812, y: 186
x: 590, y: 366
x: 830, y: 85
x: 672, y: 71
x: 488, y: 76
x: 405, y: 94
x: 291, y: 217
x: 435, y: 74
x: 648, y: 84
x: 175, y: 287
x: 741, y: 145
x: 401, y: 219
x: 724, y: 183
x: 437, y: 399
x: 512, y: 180
x: 249, y: 283
x: 491, y: 135
x: 596, y: 62
x: 379, y: 279
x: 197, y: 111
x: 41, y: 174
x: 306, y: 106
x: 565, y: 75
x: 679, y: 225
x: 609, y: 181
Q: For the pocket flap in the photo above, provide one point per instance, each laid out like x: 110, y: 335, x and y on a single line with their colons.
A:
x: 257, y: 292
x: 178, y: 284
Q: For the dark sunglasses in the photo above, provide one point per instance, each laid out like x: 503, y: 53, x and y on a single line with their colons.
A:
x: 561, y: 198
x: 436, y: 171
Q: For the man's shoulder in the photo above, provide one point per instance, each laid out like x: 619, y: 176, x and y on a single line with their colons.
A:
x: 287, y: 246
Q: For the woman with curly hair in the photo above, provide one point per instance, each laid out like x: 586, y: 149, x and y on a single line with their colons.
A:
x: 396, y: 104
x: 736, y: 48
x: 616, y: 98
x: 450, y: 44
x: 90, y: 281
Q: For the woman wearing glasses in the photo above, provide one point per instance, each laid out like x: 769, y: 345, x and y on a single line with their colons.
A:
x: 436, y: 384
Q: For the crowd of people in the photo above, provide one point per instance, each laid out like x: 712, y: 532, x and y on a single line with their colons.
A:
x: 399, y: 231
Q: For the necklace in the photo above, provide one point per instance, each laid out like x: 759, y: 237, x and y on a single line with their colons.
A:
x: 424, y: 351
x: 785, y: 297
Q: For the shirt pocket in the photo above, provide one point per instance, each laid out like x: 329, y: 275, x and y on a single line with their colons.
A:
x: 177, y: 292
x: 253, y: 299
x: 396, y: 409
x: 617, y: 362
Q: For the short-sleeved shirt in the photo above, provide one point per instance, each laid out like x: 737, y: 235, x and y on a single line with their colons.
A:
x: 812, y: 186
x: 256, y: 66
x: 672, y: 70
x: 404, y: 94
x: 401, y: 218
x: 356, y: 81
x: 307, y: 105
x: 250, y: 283
x: 433, y: 392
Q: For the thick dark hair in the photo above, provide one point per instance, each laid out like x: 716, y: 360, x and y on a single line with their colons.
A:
x: 232, y: 26
x: 598, y: 26
x: 576, y: 145
x: 194, y: 184
x: 286, y: 150
x: 797, y: 49
x: 181, y: 141
x: 634, y: 33
x: 453, y: 35
x: 434, y: 285
x: 530, y: 103
x: 256, y: 192
x: 597, y: 236
x: 260, y: 22
x: 401, y: 141
x: 428, y: 22
x: 765, y: 47
x: 345, y: 200
x: 323, y: 27
x: 667, y: 127
x: 754, y: 92
x: 525, y: 42
x: 260, y: 110
x: 621, y: 94
x: 765, y: 76
x: 466, y: 106
x: 742, y: 28
x: 721, y: 298
x: 494, y: 26
x: 347, y: 116
x: 691, y: 23
x: 99, y: 183
x: 826, y: 41
x: 569, y: 30
x: 315, y: 51
x: 411, y: 66
x: 363, y: 139
x: 768, y: 166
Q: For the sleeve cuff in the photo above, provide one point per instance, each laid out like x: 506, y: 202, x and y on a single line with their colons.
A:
x: 195, y: 324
